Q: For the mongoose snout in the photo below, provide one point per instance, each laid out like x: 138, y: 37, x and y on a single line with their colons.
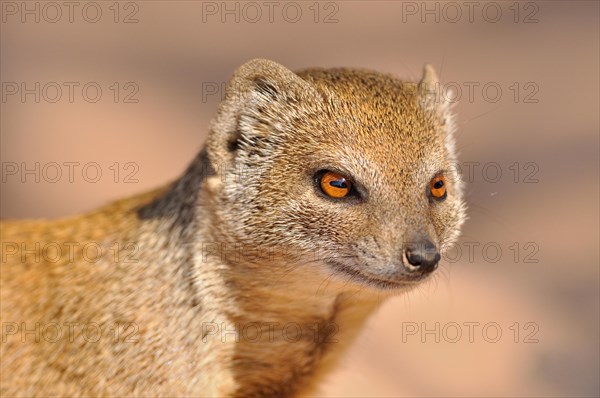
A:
x: 421, y: 256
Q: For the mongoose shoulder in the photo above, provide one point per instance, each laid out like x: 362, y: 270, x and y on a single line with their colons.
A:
x: 317, y: 195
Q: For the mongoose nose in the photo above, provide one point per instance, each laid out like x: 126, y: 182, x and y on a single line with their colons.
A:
x: 421, y: 256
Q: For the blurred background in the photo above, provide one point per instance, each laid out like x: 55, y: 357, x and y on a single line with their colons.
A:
x: 102, y: 100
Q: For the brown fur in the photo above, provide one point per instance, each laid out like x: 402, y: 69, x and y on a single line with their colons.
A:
x: 303, y: 262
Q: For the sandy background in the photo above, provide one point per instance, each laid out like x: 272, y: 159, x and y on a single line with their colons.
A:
x: 541, y: 293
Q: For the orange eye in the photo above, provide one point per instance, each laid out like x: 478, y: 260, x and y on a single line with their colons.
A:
x: 437, y: 187
x: 334, y: 184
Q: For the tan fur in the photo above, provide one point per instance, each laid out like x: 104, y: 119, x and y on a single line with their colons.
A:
x: 243, y: 241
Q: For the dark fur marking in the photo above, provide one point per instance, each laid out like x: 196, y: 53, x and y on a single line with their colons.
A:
x: 177, y: 207
x: 180, y: 200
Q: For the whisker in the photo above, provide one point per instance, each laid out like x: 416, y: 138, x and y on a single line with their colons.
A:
x: 326, y: 281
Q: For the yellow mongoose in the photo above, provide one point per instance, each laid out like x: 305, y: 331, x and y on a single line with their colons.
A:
x: 318, y: 194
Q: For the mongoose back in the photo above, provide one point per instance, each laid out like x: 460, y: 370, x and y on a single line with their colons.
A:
x: 317, y: 195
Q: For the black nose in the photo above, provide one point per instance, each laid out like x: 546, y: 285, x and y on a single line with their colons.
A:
x: 421, y: 256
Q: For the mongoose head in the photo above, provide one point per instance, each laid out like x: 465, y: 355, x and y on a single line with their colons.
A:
x: 352, y: 169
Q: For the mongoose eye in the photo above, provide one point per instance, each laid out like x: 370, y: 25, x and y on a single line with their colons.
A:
x: 437, y: 187
x: 334, y: 185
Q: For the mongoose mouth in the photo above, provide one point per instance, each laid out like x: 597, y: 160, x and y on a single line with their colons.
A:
x: 403, y: 281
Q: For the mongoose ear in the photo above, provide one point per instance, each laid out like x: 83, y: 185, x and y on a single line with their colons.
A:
x: 432, y: 96
x: 429, y: 88
x: 435, y: 100
x: 254, y: 104
x: 429, y: 81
